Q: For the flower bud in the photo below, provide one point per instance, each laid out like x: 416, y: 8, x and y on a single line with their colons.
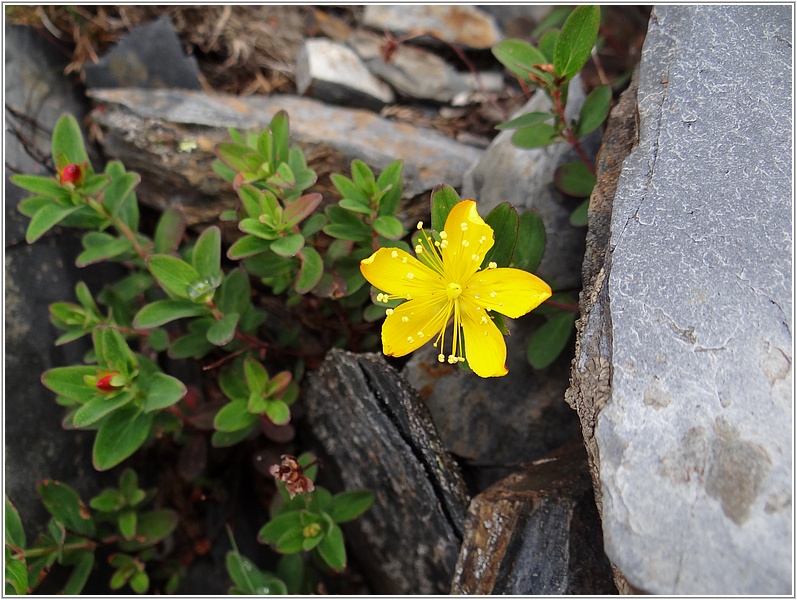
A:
x: 104, y: 383
x: 71, y: 173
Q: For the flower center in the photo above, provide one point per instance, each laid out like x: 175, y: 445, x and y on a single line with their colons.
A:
x: 453, y: 290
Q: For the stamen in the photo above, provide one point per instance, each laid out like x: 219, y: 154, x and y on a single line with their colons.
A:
x: 474, y: 257
x: 420, y: 334
x: 443, y: 235
x: 410, y: 339
x: 389, y: 312
x: 463, y: 226
x: 419, y: 225
x: 493, y: 294
x: 465, y: 243
x: 492, y: 265
x: 405, y: 319
x: 394, y: 254
x: 441, y: 357
x: 418, y: 249
x: 410, y: 275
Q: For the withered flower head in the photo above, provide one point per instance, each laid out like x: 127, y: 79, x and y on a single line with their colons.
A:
x: 291, y: 473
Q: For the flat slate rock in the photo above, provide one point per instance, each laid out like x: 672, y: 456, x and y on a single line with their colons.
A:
x: 695, y: 439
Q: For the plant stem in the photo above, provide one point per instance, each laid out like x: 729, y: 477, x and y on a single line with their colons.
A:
x: 568, y: 133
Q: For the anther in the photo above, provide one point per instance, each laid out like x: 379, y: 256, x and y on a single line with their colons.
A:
x: 492, y: 265
x: 465, y: 243
x: 394, y: 254
x: 441, y: 357
x: 410, y: 275
x: 404, y: 260
x: 419, y: 225
x: 405, y: 319
x: 474, y: 257
x: 463, y: 226
x: 389, y: 312
x: 418, y: 249
x: 493, y: 294
x: 443, y: 235
x: 482, y: 239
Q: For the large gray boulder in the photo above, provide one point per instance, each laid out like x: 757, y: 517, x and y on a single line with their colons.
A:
x: 694, y: 438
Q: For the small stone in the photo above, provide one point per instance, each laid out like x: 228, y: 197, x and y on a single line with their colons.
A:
x: 412, y: 72
x: 465, y: 25
x: 150, y: 56
x: 333, y: 72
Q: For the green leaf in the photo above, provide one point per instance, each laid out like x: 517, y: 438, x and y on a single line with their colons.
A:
x: 139, y: 582
x: 83, y: 563
x: 333, y: 550
x: 594, y: 110
x: 232, y: 383
x: 14, y: 532
x: 127, y: 524
x: 68, y: 140
x: 100, y: 406
x: 161, y: 312
x: 108, y: 501
x: 348, y: 190
x: 301, y: 208
x: 280, y: 130
x: 69, y: 381
x: 119, y: 436
x: 444, y: 198
x: 248, y: 245
x: 311, y: 270
x: 574, y: 179
x: 580, y: 216
x: 346, y: 226
x: 251, y: 580
x: 526, y: 120
x: 151, y: 528
x: 235, y: 292
x: 391, y: 176
x: 42, y: 186
x: 225, y: 439
x: 163, y: 391
x: 222, y: 331
x: 115, y: 353
x: 347, y: 506
x: 531, y: 241
x: 518, y: 56
x: 16, y: 575
x: 536, y: 136
x: 169, y: 231
x: 549, y: 340
x: 47, y: 217
x: 63, y: 503
x: 288, y: 246
x: 234, y: 417
x: 101, y: 246
x: 575, y: 41
x: 206, y: 256
x: 547, y: 42
x: 388, y: 226
x: 278, y: 412
x: 504, y: 221
x: 174, y: 275
x: 119, y: 193
x: 280, y: 525
x: 256, y: 376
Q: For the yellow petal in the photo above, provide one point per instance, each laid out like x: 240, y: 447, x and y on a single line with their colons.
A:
x: 511, y: 292
x: 398, y: 273
x: 484, y: 345
x: 414, y: 323
x: 468, y: 239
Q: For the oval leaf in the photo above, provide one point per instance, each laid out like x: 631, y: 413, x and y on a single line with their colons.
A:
x: 549, y: 340
x: 65, y: 505
x: 536, y: 136
x: 288, y: 246
x: 311, y: 270
x: 594, y: 110
x: 504, y: 221
x: 574, y: 179
x: 234, y: 417
x: 174, y: 275
x: 526, y: 120
x: 444, y: 198
x: 206, y: 256
x: 164, y: 311
x: 333, y: 550
x: 119, y: 436
x: 518, y: 56
x: 163, y: 391
x: 530, y: 242
x: 223, y: 330
x: 576, y: 39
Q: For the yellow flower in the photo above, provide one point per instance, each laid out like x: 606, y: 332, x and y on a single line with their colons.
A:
x: 444, y: 281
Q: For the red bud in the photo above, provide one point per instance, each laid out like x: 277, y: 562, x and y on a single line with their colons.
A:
x: 105, y: 385
x: 71, y: 174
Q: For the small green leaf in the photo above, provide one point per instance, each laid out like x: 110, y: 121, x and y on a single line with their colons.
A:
x: 504, y: 221
x: 161, y: 312
x: 222, y: 331
x: 280, y: 525
x: 594, y: 110
x: 16, y: 575
x: 70, y: 381
x: 301, y: 208
x: 63, y: 503
x: 119, y: 436
x: 42, y: 186
x: 580, y: 216
x: 280, y: 130
x: 444, y: 198
x: 68, y: 140
x: 311, y: 270
x: 83, y: 563
x: 174, y: 275
x: 251, y: 580
x: 225, y: 439
x: 346, y: 226
x: 347, y: 506
x: 235, y: 292
x: 531, y: 241
x: 256, y: 376
x: 14, y: 532
x: 127, y: 524
x: 536, y: 136
x: 206, y: 256
x: 234, y: 417
x: 163, y: 391
x: 278, y: 412
x: 248, y: 245
x: 169, y: 231
x: 115, y: 353
x: 549, y: 340
x: 574, y: 179
x: 547, y: 42
x: 518, y: 56
x: 333, y: 550
x: 139, y: 582
x: 526, y: 120
x: 388, y: 226
x: 101, y: 246
x: 288, y: 246
x: 391, y: 176
x: 108, y: 501
x: 99, y: 407
x: 47, y: 217
x: 348, y: 190
x: 151, y: 528
x: 576, y: 39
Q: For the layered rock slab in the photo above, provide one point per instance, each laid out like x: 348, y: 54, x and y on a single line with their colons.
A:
x: 694, y: 439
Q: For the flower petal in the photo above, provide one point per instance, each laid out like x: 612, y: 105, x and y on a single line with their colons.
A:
x: 398, y: 273
x: 511, y: 292
x: 484, y: 345
x: 468, y: 239
x: 414, y: 323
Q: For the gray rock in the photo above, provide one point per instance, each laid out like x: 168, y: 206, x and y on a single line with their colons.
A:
x: 536, y: 532
x: 150, y: 56
x: 412, y: 71
x: 36, y: 446
x: 334, y: 73
x: 524, y: 178
x: 695, y: 438
x: 145, y: 129
x: 494, y: 424
x: 464, y: 25
x: 375, y: 432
